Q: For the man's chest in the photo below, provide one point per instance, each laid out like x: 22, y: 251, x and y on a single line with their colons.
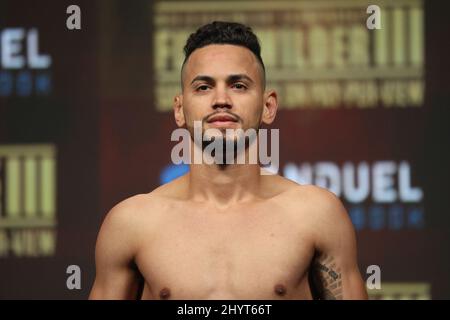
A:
x: 243, y: 254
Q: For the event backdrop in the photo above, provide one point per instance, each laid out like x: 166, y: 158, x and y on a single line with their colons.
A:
x: 85, y: 122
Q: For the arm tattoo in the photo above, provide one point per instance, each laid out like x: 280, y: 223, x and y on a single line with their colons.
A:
x: 325, y: 279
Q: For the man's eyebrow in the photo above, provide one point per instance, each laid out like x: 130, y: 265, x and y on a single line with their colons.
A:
x: 236, y: 77
x: 230, y: 78
x: 203, y: 78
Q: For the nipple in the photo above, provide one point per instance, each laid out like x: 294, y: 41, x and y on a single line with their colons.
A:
x: 280, y: 290
x: 164, y: 293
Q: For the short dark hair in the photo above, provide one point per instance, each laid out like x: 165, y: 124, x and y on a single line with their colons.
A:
x: 223, y: 32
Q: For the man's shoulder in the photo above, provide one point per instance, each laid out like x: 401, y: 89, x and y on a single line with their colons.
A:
x: 313, y: 194
x: 315, y: 201
x: 134, y: 204
x: 303, y: 192
x: 320, y: 211
x: 146, y: 205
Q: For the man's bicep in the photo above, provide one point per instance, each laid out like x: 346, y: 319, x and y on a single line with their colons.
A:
x: 335, y: 267
x: 333, y: 279
x: 116, y: 284
x: 117, y: 277
x: 326, y: 278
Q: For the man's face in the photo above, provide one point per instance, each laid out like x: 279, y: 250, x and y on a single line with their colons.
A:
x: 222, y: 87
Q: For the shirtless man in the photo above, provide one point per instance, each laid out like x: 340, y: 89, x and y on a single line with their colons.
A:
x: 226, y: 231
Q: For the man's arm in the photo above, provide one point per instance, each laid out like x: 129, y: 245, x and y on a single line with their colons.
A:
x: 117, y: 276
x: 334, y: 273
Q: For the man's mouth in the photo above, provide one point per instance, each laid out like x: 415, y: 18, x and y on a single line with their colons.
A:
x: 222, y: 120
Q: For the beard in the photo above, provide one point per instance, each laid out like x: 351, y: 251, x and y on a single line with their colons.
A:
x: 233, y: 143
x: 229, y: 143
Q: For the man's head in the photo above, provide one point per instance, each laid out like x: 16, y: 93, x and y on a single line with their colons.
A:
x: 219, y: 32
x: 223, y: 74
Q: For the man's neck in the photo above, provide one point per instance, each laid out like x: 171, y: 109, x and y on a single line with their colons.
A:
x: 223, y: 186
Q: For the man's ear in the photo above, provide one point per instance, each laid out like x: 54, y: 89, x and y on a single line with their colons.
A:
x: 178, y: 110
x: 270, y: 106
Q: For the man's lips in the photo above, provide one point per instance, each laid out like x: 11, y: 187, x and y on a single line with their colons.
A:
x: 222, y: 118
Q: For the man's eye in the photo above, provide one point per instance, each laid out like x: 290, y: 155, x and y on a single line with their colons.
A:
x: 239, y: 86
x: 202, y: 88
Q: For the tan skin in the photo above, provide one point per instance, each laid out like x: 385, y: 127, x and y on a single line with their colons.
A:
x: 227, y: 232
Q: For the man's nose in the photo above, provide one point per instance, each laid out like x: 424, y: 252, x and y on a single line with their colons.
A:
x: 221, y: 99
